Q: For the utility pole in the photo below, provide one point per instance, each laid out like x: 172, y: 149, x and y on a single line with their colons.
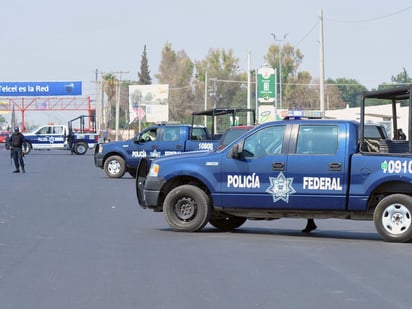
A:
x: 280, y: 67
x: 322, y: 68
x: 248, y: 86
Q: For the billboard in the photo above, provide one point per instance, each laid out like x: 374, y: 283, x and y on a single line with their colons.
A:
x: 38, y: 89
x: 150, y: 101
x: 266, y: 84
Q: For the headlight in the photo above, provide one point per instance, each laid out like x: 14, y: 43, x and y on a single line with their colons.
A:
x: 154, y: 170
x: 100, y: 148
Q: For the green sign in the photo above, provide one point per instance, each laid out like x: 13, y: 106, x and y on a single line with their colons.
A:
x: 266, y: 81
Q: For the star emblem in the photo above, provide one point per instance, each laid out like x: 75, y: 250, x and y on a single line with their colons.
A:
x: 280, y: 188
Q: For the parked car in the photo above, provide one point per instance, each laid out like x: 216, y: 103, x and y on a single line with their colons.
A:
x: 4, y: 136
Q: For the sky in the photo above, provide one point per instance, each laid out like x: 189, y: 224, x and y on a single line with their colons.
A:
x: 47, y: 40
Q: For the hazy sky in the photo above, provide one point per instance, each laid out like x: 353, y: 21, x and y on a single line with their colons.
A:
x: 48, y: 40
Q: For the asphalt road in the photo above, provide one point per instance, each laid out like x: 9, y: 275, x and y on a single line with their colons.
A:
x: 72, y: 238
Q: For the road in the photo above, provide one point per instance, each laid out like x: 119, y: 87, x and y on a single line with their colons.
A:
x: 72, y: 238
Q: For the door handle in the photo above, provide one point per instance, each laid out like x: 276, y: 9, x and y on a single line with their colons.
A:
x: 278, y: 166
x: 335, y: 166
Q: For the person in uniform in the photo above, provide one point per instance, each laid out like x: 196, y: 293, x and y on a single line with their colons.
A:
x: 16, y: 141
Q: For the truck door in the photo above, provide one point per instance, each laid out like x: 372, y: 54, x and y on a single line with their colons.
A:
x: 144, y: 145
x: 49, y: 137
x: 170, y: 141
x: 317, y: 166
x: 257, y: 179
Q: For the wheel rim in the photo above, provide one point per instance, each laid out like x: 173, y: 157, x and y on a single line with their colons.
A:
x: 185, y: 209
x: 81, y: 149
x: 113, y: 167
x: 396, y: 219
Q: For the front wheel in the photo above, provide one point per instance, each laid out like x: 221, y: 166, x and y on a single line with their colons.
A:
x: 115, y: 167
x: 393, y: 218
x: 187, y: 208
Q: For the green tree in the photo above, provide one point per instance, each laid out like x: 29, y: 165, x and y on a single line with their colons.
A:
x: 350, y: 91
x: 144, y: 74
x: 176, y: 70
x: 288, y: 59
x: 224, y: 79
x: 2, y: 121
x: 300, y: 93
x: 110, y: 89
x: 402, y: 78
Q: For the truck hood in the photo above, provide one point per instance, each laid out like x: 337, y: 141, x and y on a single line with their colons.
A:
x: 124, y: 144
x: 186, y: 155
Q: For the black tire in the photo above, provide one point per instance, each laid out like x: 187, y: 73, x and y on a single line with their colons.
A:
x: 187, y: 208
x: 393, y: 218
x: 226, y: 223
x: 80, y: 148
x: 114, y: 167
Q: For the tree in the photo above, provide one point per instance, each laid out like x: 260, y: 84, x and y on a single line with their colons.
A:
x: 350, y: 91
x: 300, y: 93
x: 144, y: 74
x: 2, y: 121
x: 402, y: 78
x: 224, y: 79
x: 109, y: 86
x: 176, y: 69
x: 288, y: 59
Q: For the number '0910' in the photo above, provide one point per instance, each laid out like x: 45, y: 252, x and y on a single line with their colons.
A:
x: 399, y: 167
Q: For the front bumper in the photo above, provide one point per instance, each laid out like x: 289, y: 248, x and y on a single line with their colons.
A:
x: 98, y: 157
x: 152, y: 192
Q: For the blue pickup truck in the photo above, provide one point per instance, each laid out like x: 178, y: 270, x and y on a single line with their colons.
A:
x: 291, y: 168
x: 117, y: 158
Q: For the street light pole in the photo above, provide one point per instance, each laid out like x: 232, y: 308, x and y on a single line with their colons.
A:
x: 280, y: 67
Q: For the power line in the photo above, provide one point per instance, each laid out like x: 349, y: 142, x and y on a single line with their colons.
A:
x: 370, y: 19
x: 308, y: 33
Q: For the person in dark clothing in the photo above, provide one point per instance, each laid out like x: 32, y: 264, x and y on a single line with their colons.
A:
x: 16, y: 142
x: 70, y: 140
x: 310, y: 226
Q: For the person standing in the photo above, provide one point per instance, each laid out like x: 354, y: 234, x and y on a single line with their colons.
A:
x: 16, y: 142
x: 310, y: 226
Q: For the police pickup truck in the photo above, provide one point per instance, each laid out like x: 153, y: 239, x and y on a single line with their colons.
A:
x: 76, y: 138
x: 290, y: 168
x: 117, y: 158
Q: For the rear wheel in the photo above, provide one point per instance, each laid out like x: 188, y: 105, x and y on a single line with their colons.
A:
x: 393, y: 218
x: 80, y: 148
x: 187, y: 208
x: 115, y: 167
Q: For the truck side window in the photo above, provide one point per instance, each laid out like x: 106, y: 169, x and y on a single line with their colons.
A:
x: 171, y: 134
x: 317, y: 140
x: 43, y: 130
x: 198, y: 134
x: 149, y: 135
x: 58, y: 130
x: 267, y: 141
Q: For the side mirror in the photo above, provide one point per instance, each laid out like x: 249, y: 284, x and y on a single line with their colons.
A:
x: 237, y: 151
x: 138, y: 139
